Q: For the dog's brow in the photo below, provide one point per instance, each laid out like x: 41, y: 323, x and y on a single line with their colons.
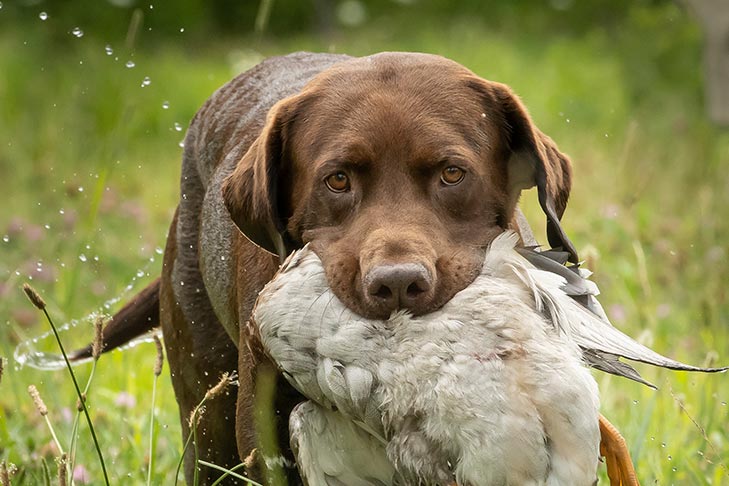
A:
x: 344, y: 162
x: 436, y: 158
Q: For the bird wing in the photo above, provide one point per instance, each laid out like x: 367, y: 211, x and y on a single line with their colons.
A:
x: 568, y: 299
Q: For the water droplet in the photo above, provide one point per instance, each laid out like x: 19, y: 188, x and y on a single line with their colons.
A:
x: 146, y: 81
x: 80, y: 188
x: 182, y: 284
x: 567, y: 120
x: 140, y: 273
x: 165, y: 105
x: 61, y: 211
x: 723, y: 404
x: 1, y: 5
x: 635, y: 402
x: 77, y: 32
x: 82, y: 257
x: 670, y: 457
x: 6, y: 238
x: 222, y: 257
x: 47, y: 226
x: 674, y: 469
x: 109, y: 51
x: 182, y: 29
x: 158, y: 250
x: 43, y: 16
x: 663, y: 444
x: 181, y: 144
x: 178, y: 127
x: 130, y: 64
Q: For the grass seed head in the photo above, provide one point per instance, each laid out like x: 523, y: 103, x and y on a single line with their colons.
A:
x: 226, y: 379
x: 98, y: 346
x: 34, y: 296
x: 196, y: 415
x: 79, y: 405
x: 160, y: 357
x: 4, y: 474
x: 42, y: 409
x: 250, y: 461
x: 62, y: 470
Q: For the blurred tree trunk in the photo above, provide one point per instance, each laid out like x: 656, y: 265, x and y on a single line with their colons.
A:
x: 714, y: 18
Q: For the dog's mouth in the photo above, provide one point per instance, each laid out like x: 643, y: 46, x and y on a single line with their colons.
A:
x: 409, y: 287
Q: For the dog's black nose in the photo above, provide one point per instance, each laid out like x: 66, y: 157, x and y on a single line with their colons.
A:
x: 399, y: 286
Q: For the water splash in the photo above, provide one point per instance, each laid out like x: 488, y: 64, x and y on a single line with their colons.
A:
x: 27, y: 353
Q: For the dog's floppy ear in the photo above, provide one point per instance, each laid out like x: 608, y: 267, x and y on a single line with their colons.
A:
x: 533, y: 160
x: 255, y: 192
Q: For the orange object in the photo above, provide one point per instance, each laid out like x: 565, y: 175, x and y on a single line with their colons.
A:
x: 617, y: 459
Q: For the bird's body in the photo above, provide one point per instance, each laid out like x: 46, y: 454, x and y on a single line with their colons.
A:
x: 491, y: 389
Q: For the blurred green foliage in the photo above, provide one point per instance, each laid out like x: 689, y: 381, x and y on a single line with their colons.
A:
x: 236, y: 17
x: 90, y: 160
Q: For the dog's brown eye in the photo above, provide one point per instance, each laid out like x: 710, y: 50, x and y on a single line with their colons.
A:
x: 338, y: 182
x: 452, y: 175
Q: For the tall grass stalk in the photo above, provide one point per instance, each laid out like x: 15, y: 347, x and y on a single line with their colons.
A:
x: 702, y: 430
x: 43, y: 411
x: 36, y: 299
x: 225, y: 381
x: 98, y: 346
x: 265, y: 424
x: 229, y: 472
x: 46, y: 473
x: 157, y: 372
x: 77, y: 420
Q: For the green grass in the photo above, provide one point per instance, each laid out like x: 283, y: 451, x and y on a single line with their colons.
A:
x: 94, y: 155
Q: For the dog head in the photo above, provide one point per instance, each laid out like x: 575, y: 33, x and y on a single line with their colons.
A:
x: 400, y: 169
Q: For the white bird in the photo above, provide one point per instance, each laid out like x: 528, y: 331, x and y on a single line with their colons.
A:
x: 491, y: 389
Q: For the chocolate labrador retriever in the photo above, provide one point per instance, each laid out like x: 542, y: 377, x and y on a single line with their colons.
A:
x: 399, y: 168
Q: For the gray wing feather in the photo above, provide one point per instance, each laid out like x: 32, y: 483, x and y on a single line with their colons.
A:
x: 602, y: 343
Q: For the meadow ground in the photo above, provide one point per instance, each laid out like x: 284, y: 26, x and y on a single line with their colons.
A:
x: 89, y: 159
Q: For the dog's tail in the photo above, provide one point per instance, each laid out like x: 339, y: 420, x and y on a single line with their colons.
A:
x: 138, y: 316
